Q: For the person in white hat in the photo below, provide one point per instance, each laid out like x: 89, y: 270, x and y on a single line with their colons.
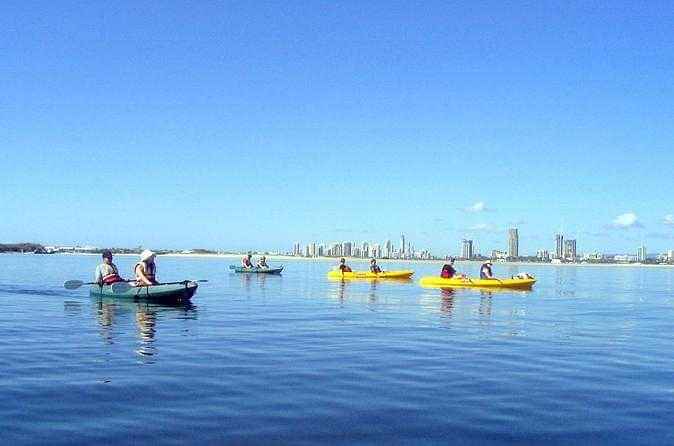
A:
x: 146, y: 269
x: 485, y: 270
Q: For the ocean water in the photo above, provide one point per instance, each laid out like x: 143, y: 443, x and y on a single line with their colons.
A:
x: 587, y: 357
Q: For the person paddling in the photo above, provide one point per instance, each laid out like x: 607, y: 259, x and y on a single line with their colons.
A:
x: 485, y: 271
x: 343, y: 267
x: 146, y: 269
x: 262, y: 263
x: 107, y: 272
x: 246, y: 262
x: 448, y: 270
x: 374, y: 268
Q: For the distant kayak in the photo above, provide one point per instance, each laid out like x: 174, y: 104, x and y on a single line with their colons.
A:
x: 458, y: 282
x: 369, y: 275
x: 172, y: 292
x: 241, y: 269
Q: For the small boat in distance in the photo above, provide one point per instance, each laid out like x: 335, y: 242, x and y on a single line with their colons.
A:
x: 255, y: 270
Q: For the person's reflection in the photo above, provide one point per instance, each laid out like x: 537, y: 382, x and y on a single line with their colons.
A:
x: 484, y: 309
x: 245, y: 279
x: 341, y: 287
x: 146, y: 321
x: 105, y: 316
x: 447, y: 302
x: 372, y: 295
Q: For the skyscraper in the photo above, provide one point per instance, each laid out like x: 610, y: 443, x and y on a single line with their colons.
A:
x: 466, y: 249
x: 346, y: 249
x: 388, y: 246
x: 641, y: 253
x: 402, y: 245
x: 570, y: 250
x: 559, y: 246
x: 513, y: 243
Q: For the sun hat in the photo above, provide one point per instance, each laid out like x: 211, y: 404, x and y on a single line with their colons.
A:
x: 146, y: 255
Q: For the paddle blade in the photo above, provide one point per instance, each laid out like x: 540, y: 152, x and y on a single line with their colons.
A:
x: 72, y: 284
x: 120, y: 287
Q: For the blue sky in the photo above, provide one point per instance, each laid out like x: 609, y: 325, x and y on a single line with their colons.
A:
x: 258, y: 124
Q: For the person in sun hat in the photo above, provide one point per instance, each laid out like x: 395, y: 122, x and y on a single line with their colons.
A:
x: 146, y: 269
x: 485, y: 270
x: 107, y: 272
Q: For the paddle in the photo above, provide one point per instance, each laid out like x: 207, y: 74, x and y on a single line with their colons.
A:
x: 75, y: 284
x: 123, y: 287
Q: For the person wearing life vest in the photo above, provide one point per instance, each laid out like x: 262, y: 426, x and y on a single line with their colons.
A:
x: 343, y: 267
x: 448, y: 270
x: 374, y: 268
x: 246, y: 262
x: 106, y: 272
x: 485, y: 271
x: 262, y: 263
x: 146, y: 269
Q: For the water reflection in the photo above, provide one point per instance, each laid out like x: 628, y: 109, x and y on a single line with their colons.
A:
x: 111, y: 313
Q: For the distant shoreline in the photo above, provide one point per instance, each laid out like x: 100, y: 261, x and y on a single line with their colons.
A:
x: 361, y: 260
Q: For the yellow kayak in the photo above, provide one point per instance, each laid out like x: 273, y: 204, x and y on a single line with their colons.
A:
x: 456, y: 282
x: 368, y: 275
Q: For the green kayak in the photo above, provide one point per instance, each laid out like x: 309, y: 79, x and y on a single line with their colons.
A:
x: 173, y: 292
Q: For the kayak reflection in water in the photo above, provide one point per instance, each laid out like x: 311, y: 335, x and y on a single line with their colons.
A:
x: 106, y: 272
x: 262, y: 263
x: 374, y: 268
x: 343, y: 267
x: 146, y: 269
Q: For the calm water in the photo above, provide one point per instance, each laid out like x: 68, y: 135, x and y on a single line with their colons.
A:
x: 587, y: 357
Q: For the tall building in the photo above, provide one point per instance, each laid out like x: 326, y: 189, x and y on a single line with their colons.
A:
x: 570, y: 252
x: 641, y: 254
x: 388, y: 247
x: 513, y: 243
x: 365, y: 250
x: 466, y: 249
x: 312, y: 250
x: 559, y: 246
x: 402, y: 245
x: 346, y: 249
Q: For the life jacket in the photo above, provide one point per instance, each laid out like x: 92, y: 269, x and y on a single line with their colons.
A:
x: 482, y: 273
x: 345, y: 269
x: 447, y: 272
x: 110, y: 274
x: 246, y: 263
x: 375, y: 269
x: 150, y: 270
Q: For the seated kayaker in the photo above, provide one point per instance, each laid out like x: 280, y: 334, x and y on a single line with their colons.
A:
x: 246, y: 262
x: 262, y: 263
x: 146, y: 269
x: 106, y: 272
x: 374, y: 268
x: 448, y: 270
x: 485, y: 271
x: 343, y: 266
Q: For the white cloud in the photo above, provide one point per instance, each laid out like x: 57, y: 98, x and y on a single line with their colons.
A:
x: 482, y: 227
x: 669, y: 220
x: 477, y: 207
x: 626, y: 221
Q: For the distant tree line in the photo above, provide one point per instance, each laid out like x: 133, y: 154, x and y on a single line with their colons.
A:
x: 21, y: 247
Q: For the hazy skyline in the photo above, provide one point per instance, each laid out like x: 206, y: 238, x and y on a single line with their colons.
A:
x: 253, y: 126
